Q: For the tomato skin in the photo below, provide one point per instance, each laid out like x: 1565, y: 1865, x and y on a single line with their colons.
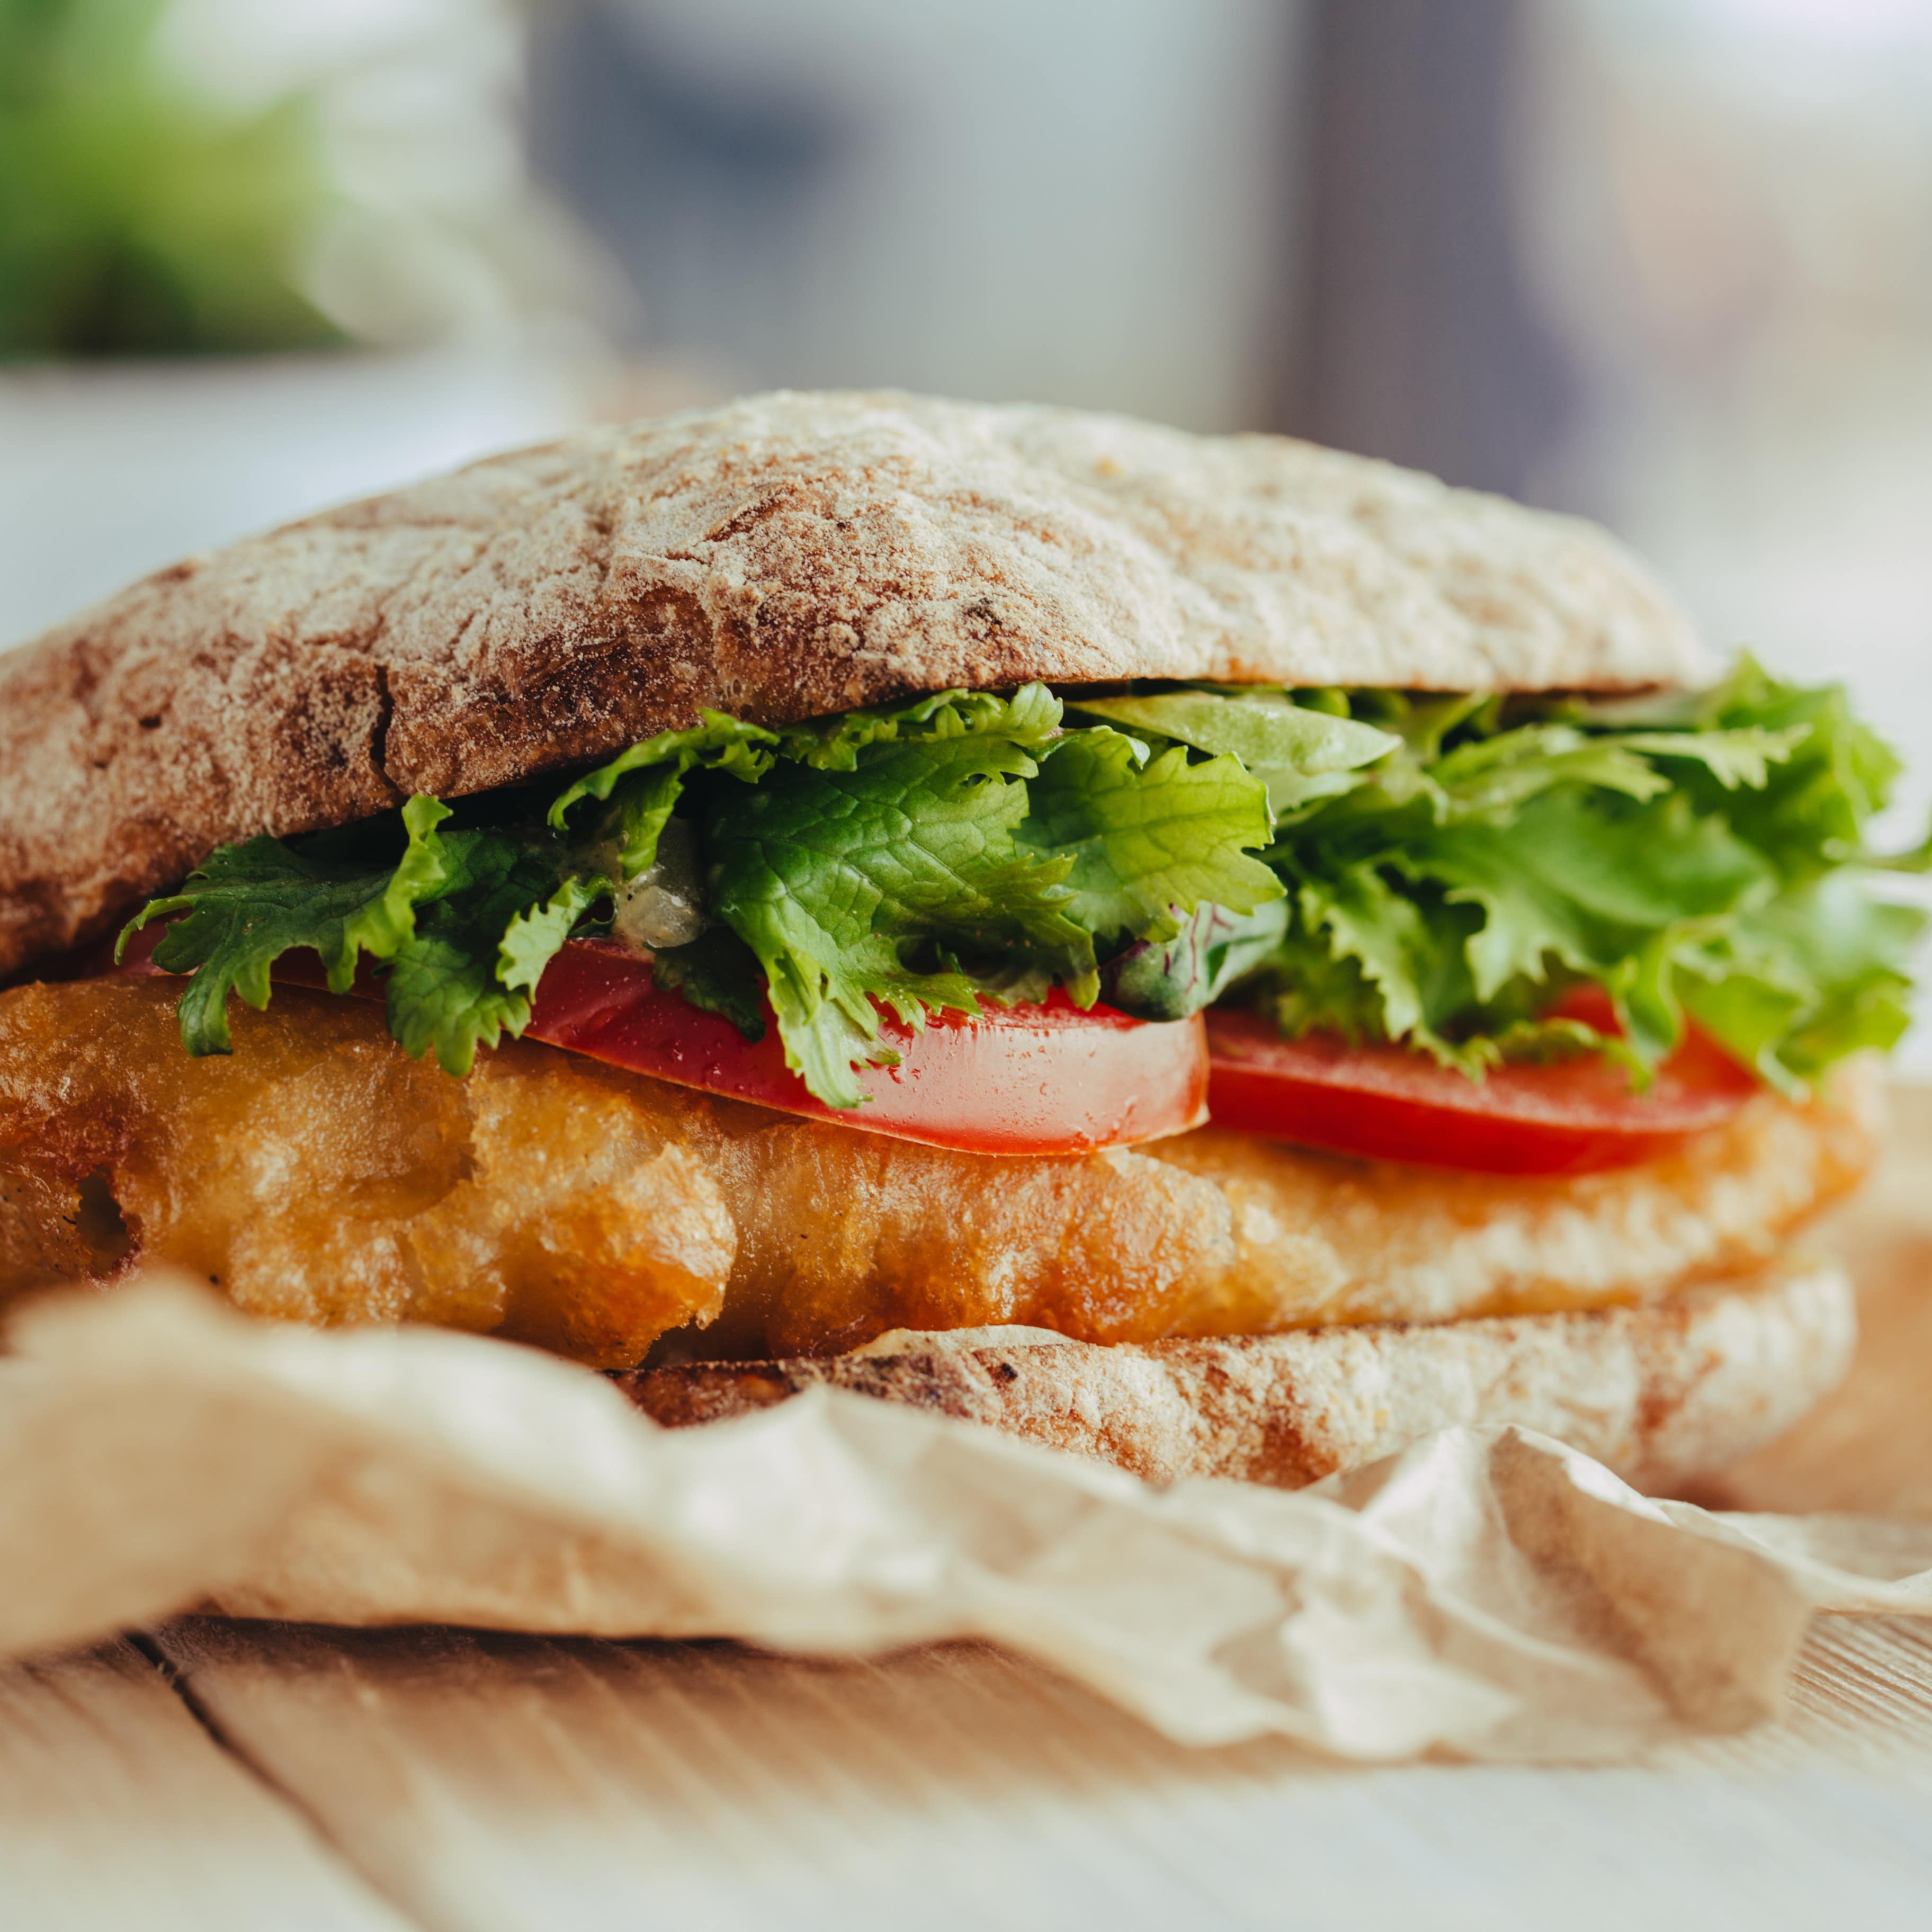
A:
x: 1020, y: 1080
x: 1383, y: 1102
x: 1051, y: 1079
x: 1044, y: 1079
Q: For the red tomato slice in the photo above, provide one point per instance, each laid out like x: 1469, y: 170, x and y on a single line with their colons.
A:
x: 1392, y: 1103
x: 1019, y: 1080
x: 1037, y: 1079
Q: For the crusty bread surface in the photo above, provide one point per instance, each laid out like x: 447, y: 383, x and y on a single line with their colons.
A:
x: 787, y: 556
x: 1662, y: 1394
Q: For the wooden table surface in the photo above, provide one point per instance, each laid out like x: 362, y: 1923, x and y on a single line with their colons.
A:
x: 212, y: 1774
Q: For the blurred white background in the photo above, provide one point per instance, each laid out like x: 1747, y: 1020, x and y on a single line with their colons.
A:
x: 1727, y: 211
x: 1667, y: 261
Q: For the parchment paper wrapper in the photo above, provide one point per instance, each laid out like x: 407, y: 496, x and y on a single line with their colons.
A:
x: 1485, y: 1592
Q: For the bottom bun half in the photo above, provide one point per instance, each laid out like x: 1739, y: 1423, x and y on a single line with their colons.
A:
x: 1662, y: 1394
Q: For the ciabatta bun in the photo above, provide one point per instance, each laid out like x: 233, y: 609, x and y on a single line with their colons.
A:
x: 787, y: 556
x: 1662, y: 1394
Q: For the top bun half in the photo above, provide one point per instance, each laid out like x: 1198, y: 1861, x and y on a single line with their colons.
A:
x: 785, y: 556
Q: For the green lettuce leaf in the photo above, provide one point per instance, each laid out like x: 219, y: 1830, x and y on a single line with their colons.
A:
x: 1670, y: 850
x: 838, y: 880
x: 1167, y: 979
x: 890, y: 831
x: 1743, y: 757
x: 531, y: 939
x: 639, y: 788
x: 1570, y: 877
x: 446, y: 992
x: 1310, y: 984
x: 1407, y: 952
x: 1299, y: 753
x: 1440, y: 869
x: 1834, y: 773
x: 1493, y: 778
x: 343, y: 894
x: 1030, y: 717
x: 1148, y: 842
x: 1803, y: 981
x: 719, y: 973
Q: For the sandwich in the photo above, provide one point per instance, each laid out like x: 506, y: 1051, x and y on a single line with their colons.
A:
x: 1211, y: 953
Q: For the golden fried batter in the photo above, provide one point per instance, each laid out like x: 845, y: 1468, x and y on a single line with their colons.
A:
x: 320, y: 1174
x: 1322, y: 1239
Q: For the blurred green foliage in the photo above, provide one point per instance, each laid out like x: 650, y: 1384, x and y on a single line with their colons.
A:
x: 136, y: 219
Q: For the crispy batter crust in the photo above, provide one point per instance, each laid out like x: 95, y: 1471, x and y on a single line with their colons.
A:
x: 787, y: 556
x: 319, y: 1174
x: 1321, y: 1239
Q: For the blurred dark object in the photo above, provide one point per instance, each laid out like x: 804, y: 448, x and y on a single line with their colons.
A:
x: 703, y: 190
x: 1417, y: 339
x: 136, y: 219
x: 1253, y: 213
x: 1081, y: 202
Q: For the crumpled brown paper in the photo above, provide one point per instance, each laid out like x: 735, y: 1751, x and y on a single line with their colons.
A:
x: 1486, y: 1591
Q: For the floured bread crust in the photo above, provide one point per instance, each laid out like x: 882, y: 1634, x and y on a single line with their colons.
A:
x: 787, y: 556
x: 320, y: 1174
x: 1662, y: 1394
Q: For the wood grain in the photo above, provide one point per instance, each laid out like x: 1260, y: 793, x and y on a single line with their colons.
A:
x: 118, y: 1811
x: 496, y: 1783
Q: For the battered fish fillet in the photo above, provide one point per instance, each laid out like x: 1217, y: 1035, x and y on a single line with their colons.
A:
x: 320, y: 1174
